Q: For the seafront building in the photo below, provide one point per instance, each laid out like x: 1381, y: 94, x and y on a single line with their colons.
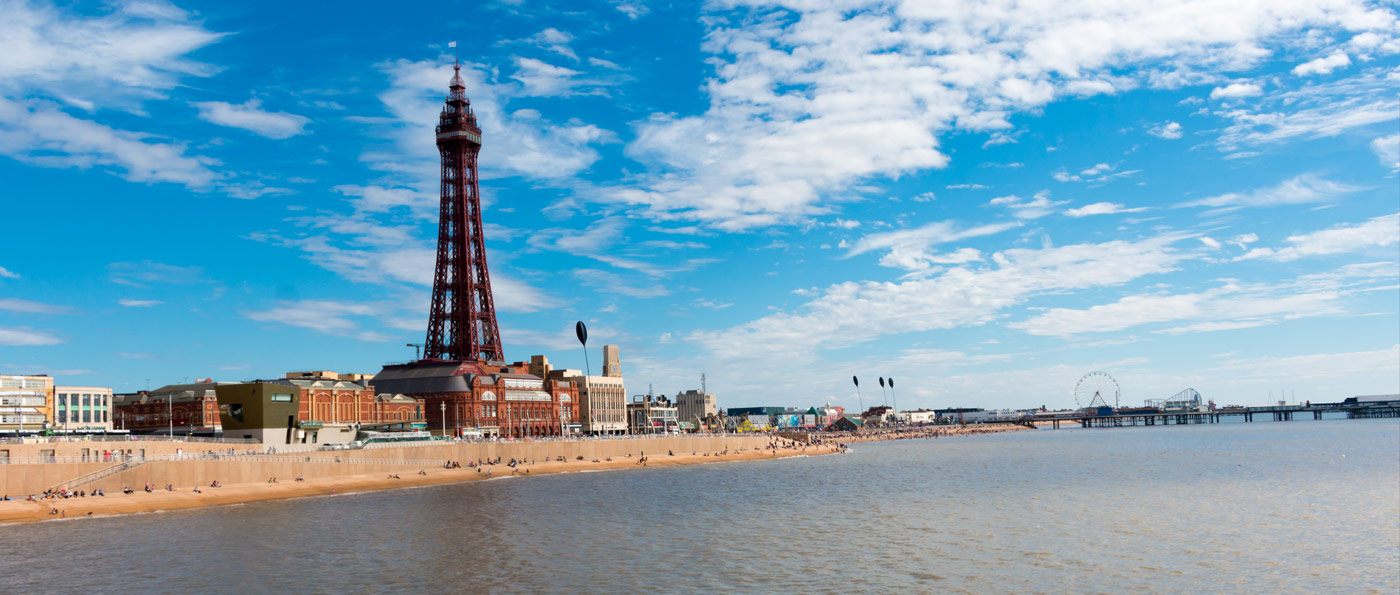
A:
x: 471, y: 398
x: 25, y: 403
x: 827, y: 415
x: 652, y: 415
x: 336, y: 399
x: 696, y: 407
x: 82, y: 409
x: 179, y: 409
x: 266, y: 412
x: 602, y: 402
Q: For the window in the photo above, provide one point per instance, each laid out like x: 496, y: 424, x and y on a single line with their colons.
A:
x: 34, y: 384
x: 87, y: 415
x: 87, y: 400
x: 62, y: 399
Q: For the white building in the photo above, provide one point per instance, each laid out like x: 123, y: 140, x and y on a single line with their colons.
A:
x: 602, y: 403
x: 25, y: 403
x: 82, y: 409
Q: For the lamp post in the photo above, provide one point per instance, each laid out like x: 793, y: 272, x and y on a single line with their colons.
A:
x: 443, y: 408
x: 170, y: 413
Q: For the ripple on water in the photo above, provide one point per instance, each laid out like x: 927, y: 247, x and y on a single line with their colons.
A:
x: 1035, y: 512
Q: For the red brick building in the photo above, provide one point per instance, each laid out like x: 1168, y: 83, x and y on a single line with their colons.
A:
x: 337, y: 399
x: 491, y: 398
x: 193, y: 407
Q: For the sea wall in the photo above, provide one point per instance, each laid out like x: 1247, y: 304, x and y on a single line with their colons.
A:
x: 33, y: 478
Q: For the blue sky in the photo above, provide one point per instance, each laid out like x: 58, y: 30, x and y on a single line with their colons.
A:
x: 983, y: 201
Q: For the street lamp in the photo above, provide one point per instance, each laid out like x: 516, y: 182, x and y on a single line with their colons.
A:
x: 443, y: 407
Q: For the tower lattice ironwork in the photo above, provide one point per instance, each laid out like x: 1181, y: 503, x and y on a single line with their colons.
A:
x: 462, y: 324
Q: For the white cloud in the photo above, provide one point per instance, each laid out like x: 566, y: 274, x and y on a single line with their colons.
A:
x: 249, y: 116
x: 111, y: 60
x: 608, y: 64
x: 909, y: 249
x: 555, y: 41
x: 809, y: 101
x: 613, y: 283
x: 31, y: 307
x: 1323, y: 65
x: 1101, y: 208
x: 37, y: 132
x: 851, y: 313
x: 1387, y: 148
x: 1225, y: 308
x: 966, y: 187
x: 1167, y: 130
x: 1210, y: 242
x: 542, y: 79
x: 130, y: 303
x: 1378, y: 232
x: 25, y: 336
x: 140, y: 274
x: 1303, y: 189
x: 1096, y: 170
x: 1376, y: 365
x: 1315, y: 110
x: 634, y: 9
x: 331, y: 317
x: 999, y: 138
x: 1236, y: 90
x: 1244, y: 240
x: 8, y: 274
x: 1097, y: 174
x: 1038, y: 206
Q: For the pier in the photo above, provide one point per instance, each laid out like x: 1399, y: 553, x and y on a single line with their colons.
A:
x: 1351, y: 410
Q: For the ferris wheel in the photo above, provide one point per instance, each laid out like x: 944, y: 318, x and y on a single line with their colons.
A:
x: 1096, y: 389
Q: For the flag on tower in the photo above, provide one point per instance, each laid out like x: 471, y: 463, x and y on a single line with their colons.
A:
x: 452, y: 44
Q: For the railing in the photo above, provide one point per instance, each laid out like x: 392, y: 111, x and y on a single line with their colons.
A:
x: 96, y: 475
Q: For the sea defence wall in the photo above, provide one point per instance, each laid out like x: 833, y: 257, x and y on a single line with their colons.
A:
x: 19, y: 479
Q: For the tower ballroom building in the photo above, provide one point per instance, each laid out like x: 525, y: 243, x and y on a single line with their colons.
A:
x: 464, y: 381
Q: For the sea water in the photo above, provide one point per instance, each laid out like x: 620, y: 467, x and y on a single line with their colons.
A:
x: 1304, y: 506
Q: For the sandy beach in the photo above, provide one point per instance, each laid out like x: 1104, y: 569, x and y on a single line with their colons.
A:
x: 184, y: 496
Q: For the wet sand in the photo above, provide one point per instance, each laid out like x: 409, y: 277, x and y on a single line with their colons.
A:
x: 184, y: 497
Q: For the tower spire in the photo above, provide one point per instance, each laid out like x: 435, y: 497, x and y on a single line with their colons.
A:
x: 462, y: 321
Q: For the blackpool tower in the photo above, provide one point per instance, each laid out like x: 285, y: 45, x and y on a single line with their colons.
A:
x: 462, y: 323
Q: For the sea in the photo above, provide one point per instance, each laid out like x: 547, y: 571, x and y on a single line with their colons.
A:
x: 1265, y: 507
